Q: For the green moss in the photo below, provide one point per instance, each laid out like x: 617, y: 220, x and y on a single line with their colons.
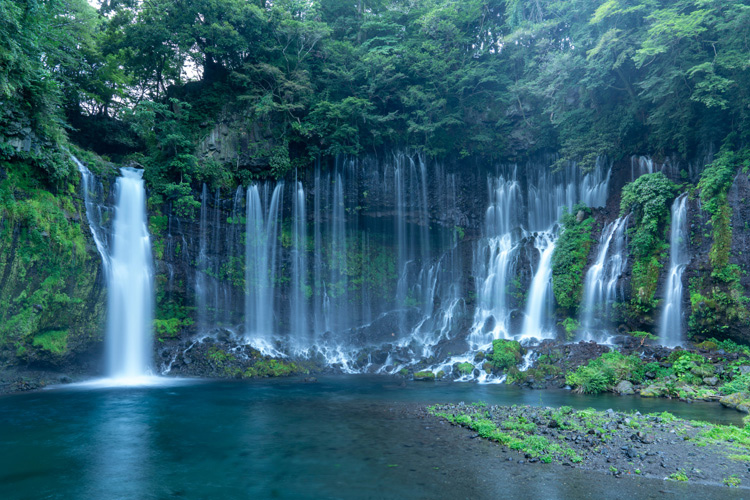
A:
x: 54, y: 341
x: 678, y: 476
x: 170, y: 328
x: 505, y: 354
x: 732, y: 481
x: 465, y: 368
x: 48, y: 268
x: 273, y: 368
x: 719, y: 300
x: 424, y: 375
x: 648, y: 198
x: 570, y: 256
x: 515, y: 433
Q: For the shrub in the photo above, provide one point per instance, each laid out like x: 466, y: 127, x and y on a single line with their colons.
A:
x: 738, y: 384
x: 505, y: 353
x: 606, y: 371
x: 465, y: 368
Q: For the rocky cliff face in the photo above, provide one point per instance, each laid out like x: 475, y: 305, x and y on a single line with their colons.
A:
x: 239, y: 141
x: 52, y: 295
x: 54, y: 300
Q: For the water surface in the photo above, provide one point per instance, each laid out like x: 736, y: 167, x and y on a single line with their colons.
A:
x: 342, y: 437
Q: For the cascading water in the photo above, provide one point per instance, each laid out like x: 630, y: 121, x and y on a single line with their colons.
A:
x: 670, y: 327
x: 379, y: 270
x: 130, y: 291
x: 538, y: 303
x: 494, y: 260
x: 299, y: 270
x: 600, y: 284
x: 549, y: 194
x: 261, y: 240
x: 201, y: 263
x: 89, y: 185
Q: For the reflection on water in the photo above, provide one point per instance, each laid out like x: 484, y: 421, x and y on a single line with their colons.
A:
x: 344, y: 437
x: 121, y: 441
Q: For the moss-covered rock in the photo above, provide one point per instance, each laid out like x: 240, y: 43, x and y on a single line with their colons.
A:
x: 654, y: 391
x: 464, y: 368
x: 424, y: 376
x: 739, y: 401
x: 505, y: 354
x: 52, y: 298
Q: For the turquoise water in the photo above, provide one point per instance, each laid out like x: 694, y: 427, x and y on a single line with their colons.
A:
x: 342, y: 437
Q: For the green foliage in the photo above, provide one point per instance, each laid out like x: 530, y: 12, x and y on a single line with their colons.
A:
x: 570, y: 256
x: 678, y: 476
x: 273, y: 368
x: 648, y: 198
x: 715, y: 307
x: 740, y: 383
x: 465, y: 368
x: 729, y: 346
x: 170, y: 328
x: 505, y: 354
x: 571, y: 326
x: 54, y: 341
x: 605, y: 372
x: 732, y: 481
x: 424, y: 375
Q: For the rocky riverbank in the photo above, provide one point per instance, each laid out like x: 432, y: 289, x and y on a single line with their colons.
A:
x: 712, y: 370
x: 620, y: 444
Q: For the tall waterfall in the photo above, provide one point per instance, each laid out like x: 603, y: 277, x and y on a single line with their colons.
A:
x: 130, y: 291
x: 494, y: 259
x: 600, y: 284
x: 538, y: 304
x: 670, y: 327
x: 202, y: 263
x: 299, y: 269
x: 261, y: 240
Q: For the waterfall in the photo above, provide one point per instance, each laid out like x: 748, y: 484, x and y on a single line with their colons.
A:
x: 670, y: 327
x: 299, y: 269
x: 89, y: 186
x: 261, y: 240
x: 130, y: 306
x: 538, y: 306
x: 201, y: 262
x: 642, y: 165
x: 336, y: 311
x: 547, y: 194
x: 494, y: 260
x: 600, y: 284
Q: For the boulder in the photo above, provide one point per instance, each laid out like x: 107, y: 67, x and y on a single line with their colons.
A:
x: 712, y: 381
x: 739, y: 401
x: 624, y: 387
x: 653, y: 391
